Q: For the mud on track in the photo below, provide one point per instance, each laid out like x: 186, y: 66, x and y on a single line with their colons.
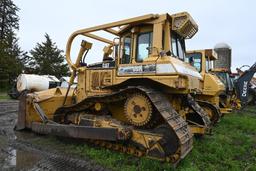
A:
x: 17, y: 153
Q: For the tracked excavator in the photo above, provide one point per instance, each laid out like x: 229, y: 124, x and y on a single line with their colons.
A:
x: 137, y: 100
x: 212, y: 86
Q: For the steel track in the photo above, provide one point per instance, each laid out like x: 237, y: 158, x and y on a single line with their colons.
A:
x: 161, y: 103
x: 216, y: 110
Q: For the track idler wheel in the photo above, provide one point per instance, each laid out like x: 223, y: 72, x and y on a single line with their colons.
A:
x: 213, y: 114
x: 212, y: 111
x: 170, y: 141
x: 138, y: 109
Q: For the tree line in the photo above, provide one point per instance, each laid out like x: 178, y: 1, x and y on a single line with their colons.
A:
x: 44, y: 59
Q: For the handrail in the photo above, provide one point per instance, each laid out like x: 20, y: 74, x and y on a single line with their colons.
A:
x: 104, y: 27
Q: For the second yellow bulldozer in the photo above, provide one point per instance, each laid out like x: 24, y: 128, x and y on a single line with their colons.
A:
x: 219, y: 87
x: 209, y: 99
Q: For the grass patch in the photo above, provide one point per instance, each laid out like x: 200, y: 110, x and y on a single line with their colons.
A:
x: 4, y: 95
x: 231, y: 147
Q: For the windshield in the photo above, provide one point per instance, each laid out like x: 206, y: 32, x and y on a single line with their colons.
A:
x: 178, y: 46
x: 195, y: 60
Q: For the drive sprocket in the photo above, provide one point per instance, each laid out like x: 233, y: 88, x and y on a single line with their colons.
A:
x: 138, y: 109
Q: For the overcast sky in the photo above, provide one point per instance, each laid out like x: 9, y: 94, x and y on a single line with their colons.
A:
x: 230, y: 21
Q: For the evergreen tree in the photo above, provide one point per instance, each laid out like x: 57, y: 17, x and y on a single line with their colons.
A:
x: 9, y: 19
x: 46, y: 59
x: 14, y: 54
x: 10, y: 52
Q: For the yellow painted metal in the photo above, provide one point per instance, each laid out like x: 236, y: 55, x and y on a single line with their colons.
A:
x: 99, y: 38
x: 212, y: 85
x: 48, y: 100
x: 98, y: 106
x: 226, y: 110
x: 138, y: 109
x: 197, y: 130
x: 117, y: 111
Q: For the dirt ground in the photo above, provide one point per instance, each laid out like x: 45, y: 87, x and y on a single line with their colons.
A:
x: 18, y: 153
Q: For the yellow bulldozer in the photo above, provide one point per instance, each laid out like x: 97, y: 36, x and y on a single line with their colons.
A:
x: 212, y: 87
x: 137, y: 100
x: 223, y: 89
x: 217, y: 83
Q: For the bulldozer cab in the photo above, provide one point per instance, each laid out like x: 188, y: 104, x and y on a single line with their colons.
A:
x: 202, y: 60
x: 138, y: 45
x: 147, y: 43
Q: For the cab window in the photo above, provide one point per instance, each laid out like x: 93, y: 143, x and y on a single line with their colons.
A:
x: 174, y: 47
x: 178, y: 46
x: 126, y: 54
x: 209, y: 64
x: 144, y: 45
x: 195, y: 59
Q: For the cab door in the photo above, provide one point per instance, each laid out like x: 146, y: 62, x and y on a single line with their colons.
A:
x: 135, y: 48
